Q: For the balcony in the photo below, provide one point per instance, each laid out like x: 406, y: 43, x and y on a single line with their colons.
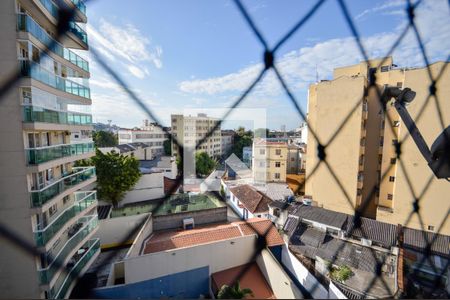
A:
x: 26, y: 23
x: 64, y: 282
x: 53, y: 8
x: 46, y: 234
x: 35, y: 71
x: 80, y: 5
x: 79, y: 175
x: 78, y: 32
x: 44, y: 154
x: 38, y: 114
x: 46, y: 275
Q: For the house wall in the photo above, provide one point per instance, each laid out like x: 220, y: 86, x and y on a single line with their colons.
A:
x: 206, y: 216
x: 114, y: 232
x: 280, y: 282
x: 149, y: 186
x: 218, y: 256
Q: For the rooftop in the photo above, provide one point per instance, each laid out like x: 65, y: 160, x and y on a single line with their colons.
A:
x: 174, y: 239
x: 174, y: 204
x: 251, y: 278
x: 164, y: 162
x: 253, y: 200
x: 321, y: 215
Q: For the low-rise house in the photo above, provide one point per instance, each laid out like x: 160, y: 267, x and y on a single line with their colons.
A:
x: 197, y: 262
x: 139, y: 150
x: 248, y: 202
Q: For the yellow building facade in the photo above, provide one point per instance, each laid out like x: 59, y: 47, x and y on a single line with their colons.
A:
x: 362, y: 154
x: 269, y: 160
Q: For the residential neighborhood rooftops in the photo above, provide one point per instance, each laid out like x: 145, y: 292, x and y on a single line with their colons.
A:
x: 253, y: 200
x: 251, y: 278
x: 418, y: 240
x: 238, y: 166
x: 321, y: 215
x: 383, y: 233
x: 173, y: 239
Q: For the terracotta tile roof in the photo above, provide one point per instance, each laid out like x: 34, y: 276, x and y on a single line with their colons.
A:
x: 253, y: 200
x: 167, y: 240
x: 252, y: 278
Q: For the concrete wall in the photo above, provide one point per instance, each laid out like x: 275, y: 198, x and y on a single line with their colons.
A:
x: 280, y: 282
x: 149, y: 186
x: 218, y: 256
x: 172, y: 221
x: 144, y: 233
x: 117, y: 231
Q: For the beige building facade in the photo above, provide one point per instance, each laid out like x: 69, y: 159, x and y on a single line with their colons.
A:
x: 189, y: 130
x: 269, y: 161
x: 363, y: 150
x: 46, y: 126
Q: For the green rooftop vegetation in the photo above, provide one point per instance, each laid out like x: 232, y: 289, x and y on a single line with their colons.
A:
x: 175, y: 204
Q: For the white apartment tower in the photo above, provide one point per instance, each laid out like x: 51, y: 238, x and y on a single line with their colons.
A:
x: 46, y: 128
x: 191, y: 129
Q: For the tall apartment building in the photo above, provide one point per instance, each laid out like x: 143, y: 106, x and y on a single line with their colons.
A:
x: 227, y: 140
x: 191, y: 129
x: 269, y: 160
x: 150, y: 134
x: 45, y: 129
x: 364, y: 149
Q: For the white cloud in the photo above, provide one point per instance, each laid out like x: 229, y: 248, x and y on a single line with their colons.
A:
x: 126, y: 45
x: 299, y: 67
x: 385, y: 7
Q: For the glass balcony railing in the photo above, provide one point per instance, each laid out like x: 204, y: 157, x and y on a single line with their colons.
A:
x: 79, y: 175
x: 78, y: 31
x: 80, y: 5
x: 46, y: 234
x: 26, y: 23
x: 38, y: 114
x: 62, y: 286
x: 46, y: 275
x: 35, y: 71
x: 44, y: 154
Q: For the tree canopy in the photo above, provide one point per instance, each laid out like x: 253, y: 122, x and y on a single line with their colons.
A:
x: 243, y: 138
x: 104, y: 139
x: 233, y: 292
x: 167, y: 147
x: 204, y: 164
x: 116, y: 174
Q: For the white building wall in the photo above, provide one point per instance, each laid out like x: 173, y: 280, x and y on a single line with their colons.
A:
x: 150, y: 186
x: 218, y: 256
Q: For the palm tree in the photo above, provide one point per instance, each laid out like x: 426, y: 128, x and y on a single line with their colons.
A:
x: 234, y: 292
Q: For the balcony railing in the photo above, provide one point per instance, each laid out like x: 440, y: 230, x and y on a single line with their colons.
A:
x: 53, y: 8
x: 46, y: 275
x: 26, y: 23
x: 35, y: 71
x: 42, y: 196
x: 80, y: 5
x: 78, y: 31
x: 44, y: 154
x: 46, y: 234
x: 38, y: 114
x: 60, y: 289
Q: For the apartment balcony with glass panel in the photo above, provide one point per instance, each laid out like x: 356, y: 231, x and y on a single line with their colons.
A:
x: 53, y: 8
x: 26, y: 23
x: 37, y: 72
x: 39, y: 114
x: 83, y: 202
x: 79, y: 262
x: 78, y: 176
x: 44, y: 154
x: 84, y: 227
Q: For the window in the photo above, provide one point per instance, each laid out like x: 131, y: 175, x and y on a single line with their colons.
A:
x: 390, y: 196
x: 391, y: 178
x: 363, y: 142
x: 276, y: 212
x: 278, y: 151
x: 292, y: 158
x: 431, y: 227
x: 277, y: 164
x: 261, y: 164
x: 399, y: 84
x: 66, y: 199
x: 393, y: 161
x: 380, y: 158
x: 381, y: 141
x: 358, y: 192
x: 277, y: 175
x: 262, y: 151
x: 394, y: 142
x: 396, y: 123
x: 384, y: 68
x: 52, y: 210
x: 361, y: 160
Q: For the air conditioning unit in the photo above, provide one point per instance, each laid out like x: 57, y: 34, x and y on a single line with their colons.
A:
x: 188, y: 223
x: 366, y: 242
x: 307, y: 201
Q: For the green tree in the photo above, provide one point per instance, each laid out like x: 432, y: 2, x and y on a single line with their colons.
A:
x: 104, y: 139
x: 116, y: 174
x: 242, y: 139
x: 167, y: 147
x: 262, y: 132
x: 204, y: 164
x: 233, y: 292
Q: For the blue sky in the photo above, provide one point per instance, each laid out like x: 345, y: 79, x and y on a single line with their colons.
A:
x: 200, y: 54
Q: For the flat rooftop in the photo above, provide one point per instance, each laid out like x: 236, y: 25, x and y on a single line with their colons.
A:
x: 174, y: 204
x: 251, y: 278
x: 174, y: 239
